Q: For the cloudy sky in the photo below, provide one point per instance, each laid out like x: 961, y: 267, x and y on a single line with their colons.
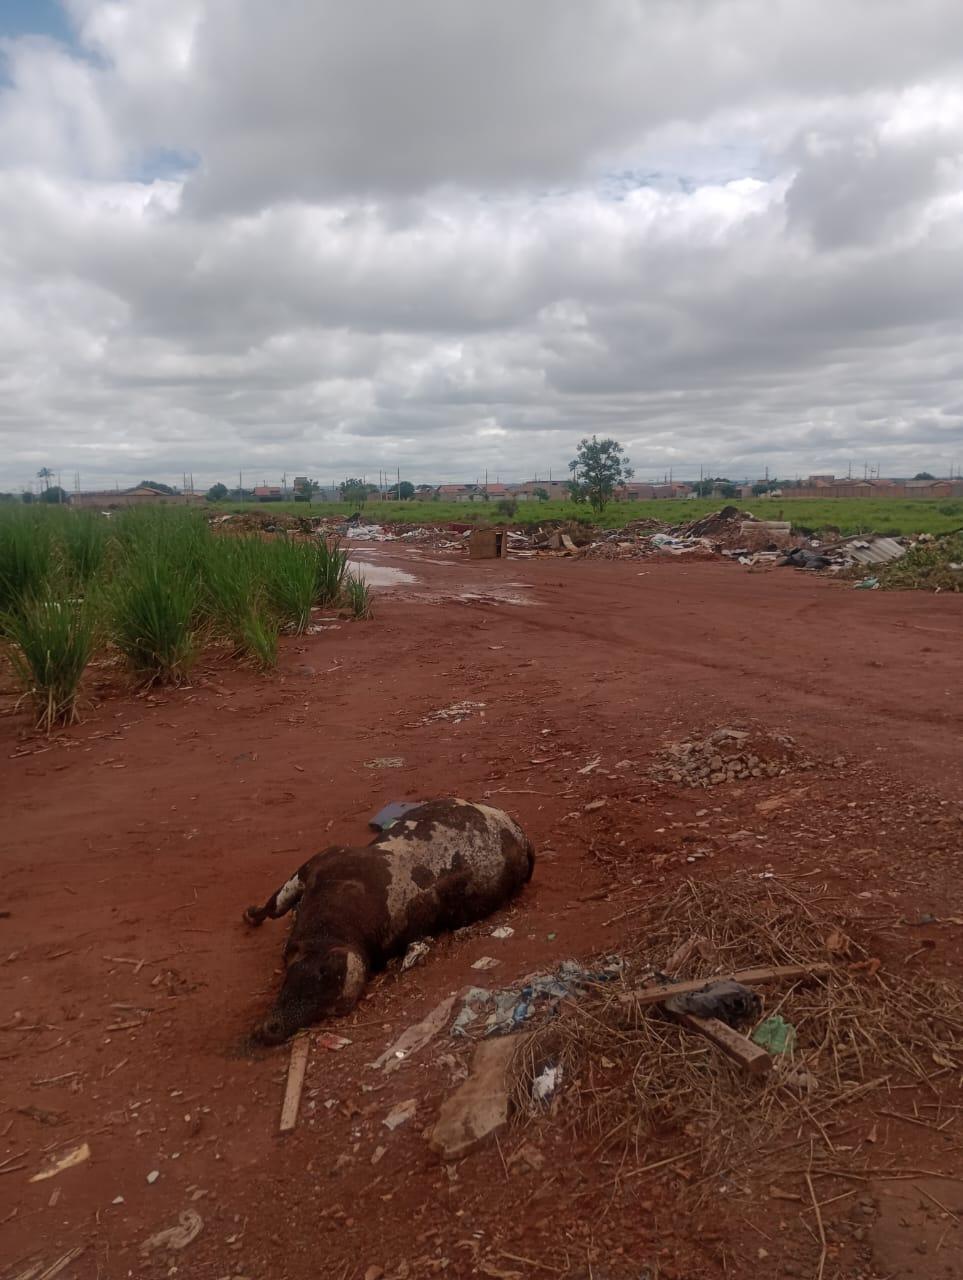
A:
x: 451, y: 235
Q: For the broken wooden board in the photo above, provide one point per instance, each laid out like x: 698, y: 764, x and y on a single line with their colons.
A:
x: 748, y: 977
x: 753, y: 1059
x: 292, y: 1093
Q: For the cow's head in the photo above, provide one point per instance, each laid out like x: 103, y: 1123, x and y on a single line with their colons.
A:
x: 320, y: 983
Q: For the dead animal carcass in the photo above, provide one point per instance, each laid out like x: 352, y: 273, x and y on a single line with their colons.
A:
x: 448, y: 863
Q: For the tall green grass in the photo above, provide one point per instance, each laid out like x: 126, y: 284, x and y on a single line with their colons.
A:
x: 236, y: 597
x: 291, y: 573
x: 50, y: 642
x: 153, y: 617
x: 331, y: 568
x: 26, y: 557
x: 358, y: 596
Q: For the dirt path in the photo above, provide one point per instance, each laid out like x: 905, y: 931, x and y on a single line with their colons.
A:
x: 131, y: 845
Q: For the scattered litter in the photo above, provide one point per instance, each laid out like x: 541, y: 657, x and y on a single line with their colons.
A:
x: 416, y: 1037
x: 118, y: 1200
x: 511, y: 1006
x: 486, y: 962
x: 179, y: 1237
x: 795, y: 1077
x: 595, y: 804
x: 328, y: 1040
x: 730, y: 1002
x: 416, y: 954
x: 153, y: 1176
x: 503, y: 931
x: 457, y: 712
x: 69, y: 1160
x: 400, y: 1114
x: 370, y: 532
x: 775, y: 1035
x: 867, y: 584
x: 391, y: 813
x: 546, y: 1082
x: 386, y: 762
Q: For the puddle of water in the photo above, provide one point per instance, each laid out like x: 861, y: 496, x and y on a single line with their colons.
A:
x: 381, y: 575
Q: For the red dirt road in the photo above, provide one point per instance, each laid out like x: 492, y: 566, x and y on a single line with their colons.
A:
x: 131, y: 845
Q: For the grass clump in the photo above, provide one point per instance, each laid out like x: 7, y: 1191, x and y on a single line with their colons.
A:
x: 50, y: 642
x: 236, y: 600
x: 153, y: 613
x: 291, y: 573
x: 26, y: 558
x: 83, y: 540
x: 331, y: 568
x: 357, y: 595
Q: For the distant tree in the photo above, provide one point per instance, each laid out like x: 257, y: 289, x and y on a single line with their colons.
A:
x: 54, y: 493
x: 354, y: 491
x: 402, y: 492
x: 727, y: 489
x: 306, y: 490
x: 540, y: 494
x: 26, y: 496
x: 599, y: 467
x: 217, y: 492
x: 577, y: 492
x: 156, y: 484
x: 923, y: 475
x: 44, y: 475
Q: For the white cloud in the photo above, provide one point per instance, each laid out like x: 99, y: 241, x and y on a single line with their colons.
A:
x: 313, y: 238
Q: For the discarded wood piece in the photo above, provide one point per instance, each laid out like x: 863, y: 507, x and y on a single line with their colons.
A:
x: 67, y: 1161
x: 770, y: 973
x: 753, y: 1059
x: 481, y: 1105
x: 292, y: 1093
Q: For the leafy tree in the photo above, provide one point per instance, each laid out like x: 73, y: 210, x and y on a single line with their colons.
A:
x: 156, y: 484
x: 577, y: 492
x: 305, y: 491
x: 540, y: 494
x: 598, y: 467
x: 354, y: 491
x: 44, y: 475
x: 217, y: 492
x: 923, y: 475
x: 54, y: 493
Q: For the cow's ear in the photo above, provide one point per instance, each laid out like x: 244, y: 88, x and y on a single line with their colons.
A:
x: 355, y: 973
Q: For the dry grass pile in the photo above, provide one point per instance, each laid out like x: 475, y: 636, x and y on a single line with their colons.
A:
x: 728, y: 755
x: 641, y: 1083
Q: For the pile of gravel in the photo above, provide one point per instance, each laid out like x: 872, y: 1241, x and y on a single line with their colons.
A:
x: 727, y: 755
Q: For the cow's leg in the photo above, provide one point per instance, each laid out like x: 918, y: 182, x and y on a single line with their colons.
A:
x: 281, y: 900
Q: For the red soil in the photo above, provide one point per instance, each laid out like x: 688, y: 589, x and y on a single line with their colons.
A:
x: 132, y: 843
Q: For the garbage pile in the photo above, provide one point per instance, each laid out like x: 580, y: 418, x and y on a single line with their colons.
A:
x: 727, y: 755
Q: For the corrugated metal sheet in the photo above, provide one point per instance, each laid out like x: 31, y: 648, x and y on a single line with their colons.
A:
x: 874, y: 550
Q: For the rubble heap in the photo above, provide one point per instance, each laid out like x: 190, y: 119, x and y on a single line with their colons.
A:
x: 727, y: 755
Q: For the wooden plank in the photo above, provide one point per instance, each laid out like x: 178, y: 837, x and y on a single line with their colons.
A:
x: 292, y: 1093
x: 753, y: 1059
x: 770, y: 973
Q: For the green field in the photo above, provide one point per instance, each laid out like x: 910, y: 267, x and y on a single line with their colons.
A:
x: 848, y: 515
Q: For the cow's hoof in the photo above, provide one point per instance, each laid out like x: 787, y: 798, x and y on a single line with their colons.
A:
x: 252, y: 917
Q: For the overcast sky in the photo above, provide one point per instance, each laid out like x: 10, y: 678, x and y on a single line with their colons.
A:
x: 451, y: 235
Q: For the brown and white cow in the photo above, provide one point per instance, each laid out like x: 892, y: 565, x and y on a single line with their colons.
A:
x: 445, y: 864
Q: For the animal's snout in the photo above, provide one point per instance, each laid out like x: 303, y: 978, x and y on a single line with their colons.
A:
x: 273, y: 1030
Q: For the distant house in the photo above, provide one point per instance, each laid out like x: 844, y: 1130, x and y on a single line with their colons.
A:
x: 268, y: 493
x: 488, y: 493
x: 455, y: 492
x: 139, y: 496
x: 557, y: 490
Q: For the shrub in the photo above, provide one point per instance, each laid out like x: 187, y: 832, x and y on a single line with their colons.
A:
x: 50, y: 643
x: 506, y: 506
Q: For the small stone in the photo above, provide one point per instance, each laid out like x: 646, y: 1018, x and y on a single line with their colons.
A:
x: 153, y: 1176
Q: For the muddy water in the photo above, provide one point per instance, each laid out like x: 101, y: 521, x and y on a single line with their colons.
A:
x: 381, y: 575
